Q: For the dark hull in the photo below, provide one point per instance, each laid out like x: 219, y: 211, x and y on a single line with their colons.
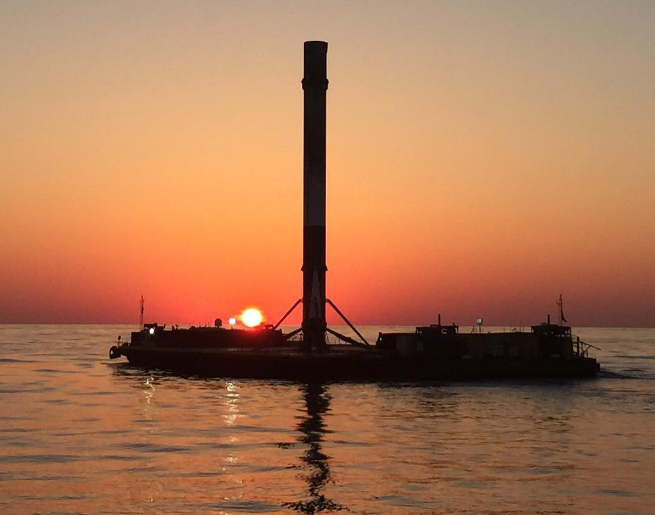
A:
x: 349, y: 365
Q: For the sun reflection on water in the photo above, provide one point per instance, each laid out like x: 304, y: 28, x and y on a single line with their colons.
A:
x: 232, y: 404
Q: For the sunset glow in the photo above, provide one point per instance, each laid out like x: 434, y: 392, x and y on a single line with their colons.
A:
x: 251, y: 317
x: 482, y: 158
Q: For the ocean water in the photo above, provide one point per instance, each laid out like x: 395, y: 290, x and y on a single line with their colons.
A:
x: 82, y: 434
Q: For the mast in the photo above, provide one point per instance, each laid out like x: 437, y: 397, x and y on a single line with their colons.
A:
x: 141, y: 315
x: 560, y: 306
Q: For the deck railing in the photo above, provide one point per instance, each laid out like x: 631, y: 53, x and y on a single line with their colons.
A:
x: 580, y: 348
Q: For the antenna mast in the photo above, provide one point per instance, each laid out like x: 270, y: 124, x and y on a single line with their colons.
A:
x: 560, y: 305
x: 141, y: 317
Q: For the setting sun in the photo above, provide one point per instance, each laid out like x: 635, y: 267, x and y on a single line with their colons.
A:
x: 251, y: 317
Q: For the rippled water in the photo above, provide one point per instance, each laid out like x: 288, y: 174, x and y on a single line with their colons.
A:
x: 81, y: 434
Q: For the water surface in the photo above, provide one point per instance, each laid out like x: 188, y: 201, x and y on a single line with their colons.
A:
x: 81, y: 434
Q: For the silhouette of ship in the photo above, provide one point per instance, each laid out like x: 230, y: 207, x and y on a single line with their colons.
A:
x: 430, y: 353
x: 434, y: 352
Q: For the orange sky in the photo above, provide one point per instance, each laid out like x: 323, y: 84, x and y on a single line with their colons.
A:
x: 482, y: 159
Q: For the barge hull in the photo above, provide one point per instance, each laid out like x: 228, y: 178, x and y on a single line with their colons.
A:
x: 293, y: 365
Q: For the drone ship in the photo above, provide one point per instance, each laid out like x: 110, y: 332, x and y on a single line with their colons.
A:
x: 433, y: 352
